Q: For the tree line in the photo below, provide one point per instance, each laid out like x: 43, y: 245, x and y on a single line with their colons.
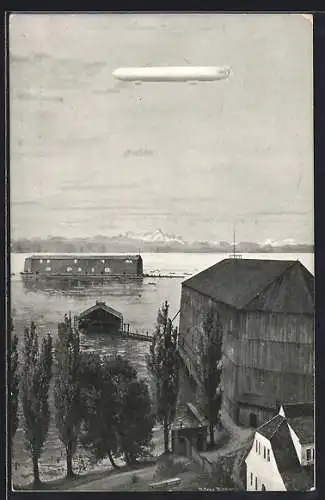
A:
x: 99, y: 401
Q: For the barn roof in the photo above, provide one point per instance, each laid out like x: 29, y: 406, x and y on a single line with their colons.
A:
x: 253, y: 284
x: 104, y: 307
x: 85, y: 257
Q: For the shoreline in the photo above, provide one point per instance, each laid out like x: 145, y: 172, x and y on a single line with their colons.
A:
x: 66, y: 484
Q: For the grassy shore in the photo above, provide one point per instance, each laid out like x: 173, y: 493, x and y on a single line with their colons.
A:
x: 79, y: 480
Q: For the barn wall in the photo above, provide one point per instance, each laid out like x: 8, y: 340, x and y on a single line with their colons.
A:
x: 278, y: 327
x: 264, y: 359
x: 102, y: 265
x: 262, y: 415
x: 265, y: 354
x: 193, y: 311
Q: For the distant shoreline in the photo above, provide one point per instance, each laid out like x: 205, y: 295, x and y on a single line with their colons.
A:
x: 296, y: 249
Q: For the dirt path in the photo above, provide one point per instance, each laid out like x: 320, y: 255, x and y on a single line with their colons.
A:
x: 237, y: 436
x: 118, y: 480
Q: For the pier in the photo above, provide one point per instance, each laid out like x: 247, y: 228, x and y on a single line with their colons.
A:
x: 125, y: 332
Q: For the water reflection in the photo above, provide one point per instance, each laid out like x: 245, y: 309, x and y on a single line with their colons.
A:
x: 79, y: 287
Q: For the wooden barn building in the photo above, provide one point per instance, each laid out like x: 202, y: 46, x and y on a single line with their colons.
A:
x: 81, y: 266
x: 266, y: 308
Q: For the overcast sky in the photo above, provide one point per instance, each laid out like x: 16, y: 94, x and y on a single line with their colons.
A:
x: 90, y: 155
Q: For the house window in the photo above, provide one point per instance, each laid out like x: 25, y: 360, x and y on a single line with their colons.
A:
x: 268, y: 455
x: 75, y: 261
x: 264, y: 453
x: 259, y: 448
x: 308, y: 454
x: 313, y: 453
x: 48, y: 269
x: 69, y: 269
x: 128, y: 261
x: 255, y: 483
x: 92, y: 269
x: 107, y: 270
x: 251, y: 479
x: 256, y: 446
x: 263, y: 487
x: 41, y: 261
x: 79, y: 269
x: 48, y: 261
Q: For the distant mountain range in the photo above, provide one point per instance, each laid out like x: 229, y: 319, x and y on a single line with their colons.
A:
x: 157, y: 241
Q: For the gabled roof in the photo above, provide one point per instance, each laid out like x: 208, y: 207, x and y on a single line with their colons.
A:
x: 271, y: 426
x: 253, y: 284
x: 300, y: 417
x: 304, y: 428
x: 104, y: 307
x: 295, y: 476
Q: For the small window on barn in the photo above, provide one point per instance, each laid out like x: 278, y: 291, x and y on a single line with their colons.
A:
x: 69, y: 269
x: 308, y: 454
x: 268, y: 455
x: 107, y: 270
x: 75, y: 261
x: 48, y: 269
x: 48, y: 261
x: 41, y: 261
x: 79, y: 269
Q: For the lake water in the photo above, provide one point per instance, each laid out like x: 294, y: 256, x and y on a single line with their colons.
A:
x: 46, y: 303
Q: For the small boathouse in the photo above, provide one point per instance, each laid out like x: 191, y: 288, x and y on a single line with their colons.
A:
x: 100, y: 318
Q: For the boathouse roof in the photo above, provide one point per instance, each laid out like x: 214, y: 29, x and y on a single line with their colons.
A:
x: 102, y: 306
x: 258, y: 285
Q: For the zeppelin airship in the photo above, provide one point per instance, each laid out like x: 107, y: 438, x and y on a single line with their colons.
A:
x: 172, y: 74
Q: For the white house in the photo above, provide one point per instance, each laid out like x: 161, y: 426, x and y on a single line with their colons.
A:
x: 281, y: 457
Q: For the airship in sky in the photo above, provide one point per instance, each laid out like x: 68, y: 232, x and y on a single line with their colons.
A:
x: 172, y: 74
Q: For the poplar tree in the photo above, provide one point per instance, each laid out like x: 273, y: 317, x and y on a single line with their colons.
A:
x: 136, y: 421
x: 163, y: 365
x: 67, y: 389
x: 36, y: 377
x: 14, y: 385
x: 211, y: 368
x: 99, y: 407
